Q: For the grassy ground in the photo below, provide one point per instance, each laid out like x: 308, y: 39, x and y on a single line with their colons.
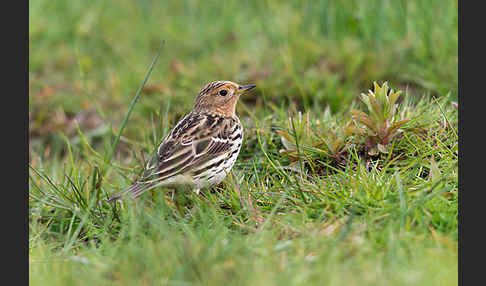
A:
x: 320, y: 194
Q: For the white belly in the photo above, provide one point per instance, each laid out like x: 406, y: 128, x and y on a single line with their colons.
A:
x: 217, y: 174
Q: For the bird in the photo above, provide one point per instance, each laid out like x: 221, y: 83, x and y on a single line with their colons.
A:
x: 201, y: 148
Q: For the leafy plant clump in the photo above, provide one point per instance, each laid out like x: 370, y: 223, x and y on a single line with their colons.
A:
x: 372, y: 131
x: 316, y: 139
x: 381, y: 124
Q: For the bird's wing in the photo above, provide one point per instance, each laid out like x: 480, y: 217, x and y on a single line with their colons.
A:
x: 195, y: 144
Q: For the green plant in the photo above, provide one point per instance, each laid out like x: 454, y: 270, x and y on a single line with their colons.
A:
x: 307, y: 139
x: 381, y: 124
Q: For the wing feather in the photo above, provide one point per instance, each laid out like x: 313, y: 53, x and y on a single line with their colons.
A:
x: 188, y: 148
x: 197, y: 143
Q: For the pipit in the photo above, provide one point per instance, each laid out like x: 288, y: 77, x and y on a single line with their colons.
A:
x: 202, y: 147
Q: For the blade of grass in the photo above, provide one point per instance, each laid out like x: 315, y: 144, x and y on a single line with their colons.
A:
x: 445, y: 117
x: 130, y: 109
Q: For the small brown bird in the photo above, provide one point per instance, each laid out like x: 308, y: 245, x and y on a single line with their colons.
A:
x: 201, y: 148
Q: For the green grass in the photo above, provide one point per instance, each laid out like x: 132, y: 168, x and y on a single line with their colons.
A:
x: 312, y: 199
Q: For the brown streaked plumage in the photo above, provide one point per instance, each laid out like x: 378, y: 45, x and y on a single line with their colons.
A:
x: 201, y: 148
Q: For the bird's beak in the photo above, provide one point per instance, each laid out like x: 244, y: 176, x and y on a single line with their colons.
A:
x: 243, y: 88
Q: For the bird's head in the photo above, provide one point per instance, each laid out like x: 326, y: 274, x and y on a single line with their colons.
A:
x: 220, y: 97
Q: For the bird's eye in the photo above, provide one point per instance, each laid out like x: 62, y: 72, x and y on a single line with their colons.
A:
x: 223, y: 92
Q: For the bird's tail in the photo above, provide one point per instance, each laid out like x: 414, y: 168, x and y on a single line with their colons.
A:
x: 135, y: 191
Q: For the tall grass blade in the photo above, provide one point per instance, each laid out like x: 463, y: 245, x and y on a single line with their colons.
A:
x: 130, y: 109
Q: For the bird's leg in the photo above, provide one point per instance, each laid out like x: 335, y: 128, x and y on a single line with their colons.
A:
x: 200, y: 195
x: 194, y: 208
x: 176, y: 200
